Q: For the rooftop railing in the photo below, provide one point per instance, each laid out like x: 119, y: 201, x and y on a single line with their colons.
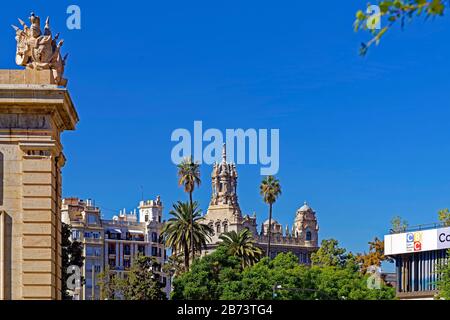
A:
x: 419, y: 227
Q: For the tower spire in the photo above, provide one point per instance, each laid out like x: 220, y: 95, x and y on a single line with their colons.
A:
x: 224, y: 153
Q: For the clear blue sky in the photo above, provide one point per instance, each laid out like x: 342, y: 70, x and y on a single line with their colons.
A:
x: 362, y: 139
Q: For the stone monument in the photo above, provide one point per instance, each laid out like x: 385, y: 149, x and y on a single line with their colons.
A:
x: 35, y: 108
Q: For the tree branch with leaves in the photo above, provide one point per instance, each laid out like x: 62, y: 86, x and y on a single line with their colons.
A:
x: 390, y: 13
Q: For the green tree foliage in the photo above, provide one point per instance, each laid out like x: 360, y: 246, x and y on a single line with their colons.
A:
x: 189, y: 178
x: 242, y: 246
x: 258, y: 282
x: 72, y: 255
x: 207, y: 277
x: 444, y: 217
x: 184, y: 228
x: 444, y: 280
x: 142, y: 282
x: 270, y: 190
x: 444, y: 270
x: 398, y: 224
x: 219, y: 276
x: 347, y: 283
x: 107, y: 284
x: 395, y: 12
x: 174, y: 264
x: 330, y: 254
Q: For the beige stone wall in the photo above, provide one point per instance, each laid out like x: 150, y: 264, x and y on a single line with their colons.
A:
x: 31, y: 120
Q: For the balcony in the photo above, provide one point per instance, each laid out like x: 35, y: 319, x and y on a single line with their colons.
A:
x: 93, y: 240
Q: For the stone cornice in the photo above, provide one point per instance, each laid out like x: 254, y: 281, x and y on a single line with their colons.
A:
x: 42, y: 99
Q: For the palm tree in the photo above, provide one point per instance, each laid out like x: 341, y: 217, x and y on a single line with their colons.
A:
x: 189, y: 177
x: 270, y: 190
x: 242, y: 245
x: 185, y: 228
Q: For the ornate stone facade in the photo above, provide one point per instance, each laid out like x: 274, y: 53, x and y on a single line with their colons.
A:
x: 224, y: 214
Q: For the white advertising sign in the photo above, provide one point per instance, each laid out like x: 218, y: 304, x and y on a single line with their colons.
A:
x: 417, y: 241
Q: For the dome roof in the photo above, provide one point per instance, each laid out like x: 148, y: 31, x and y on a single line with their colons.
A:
x: 273, y: 222
x: 305, y: 207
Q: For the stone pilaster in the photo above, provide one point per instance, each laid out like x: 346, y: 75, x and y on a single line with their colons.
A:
x: 33, y: 113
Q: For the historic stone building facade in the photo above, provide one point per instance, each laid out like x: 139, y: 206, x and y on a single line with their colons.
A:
x: 224, y: 214
x: 35, y: 108
x: 114, y: 243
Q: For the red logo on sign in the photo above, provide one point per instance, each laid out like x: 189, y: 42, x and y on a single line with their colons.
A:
x: 417, y: 246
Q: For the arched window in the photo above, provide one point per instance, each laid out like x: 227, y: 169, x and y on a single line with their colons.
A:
x: 225, y: 227
x: 218, y: 228
x: 308, y: 235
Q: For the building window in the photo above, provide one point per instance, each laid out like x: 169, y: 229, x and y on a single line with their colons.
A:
x: 308, y: 235
x: 154, y: 251
x: 146, y: 218
x: 92, y: 219
x: 154, y: 237
x: 87, y: 234
x: 141, y: 250
x: 127, y: 250
x: 211, y: 225
x: 75, y: 235
x: 127, y: 264
x: 87, y: 251
x: 225, y: 227
x: 111, y: 248
x: 218, y: 228
x: 112, y: 263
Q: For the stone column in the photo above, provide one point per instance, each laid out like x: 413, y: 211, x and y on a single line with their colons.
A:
x: 33, y: 113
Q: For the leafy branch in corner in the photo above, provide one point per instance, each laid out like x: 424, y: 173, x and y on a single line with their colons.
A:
x: 394, y: 12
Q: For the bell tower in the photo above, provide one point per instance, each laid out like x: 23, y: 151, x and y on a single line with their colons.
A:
x: 224, y: 213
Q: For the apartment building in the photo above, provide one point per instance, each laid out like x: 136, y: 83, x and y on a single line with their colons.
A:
x: 115, y: 242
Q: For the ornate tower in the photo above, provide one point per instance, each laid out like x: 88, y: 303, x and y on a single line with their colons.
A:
x: 34, y: 110
x: 306, y: 227
x: 224, y: 213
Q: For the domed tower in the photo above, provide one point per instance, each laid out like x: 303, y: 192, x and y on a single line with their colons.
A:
x: 224, y: 213
x: 306, y: 227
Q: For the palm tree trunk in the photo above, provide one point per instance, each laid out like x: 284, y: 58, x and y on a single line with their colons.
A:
x: 186, y: 256
x: 269, y: 230
x: 192, y: 226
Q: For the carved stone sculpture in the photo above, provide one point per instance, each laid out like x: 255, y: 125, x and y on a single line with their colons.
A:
x: 40, y: 51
